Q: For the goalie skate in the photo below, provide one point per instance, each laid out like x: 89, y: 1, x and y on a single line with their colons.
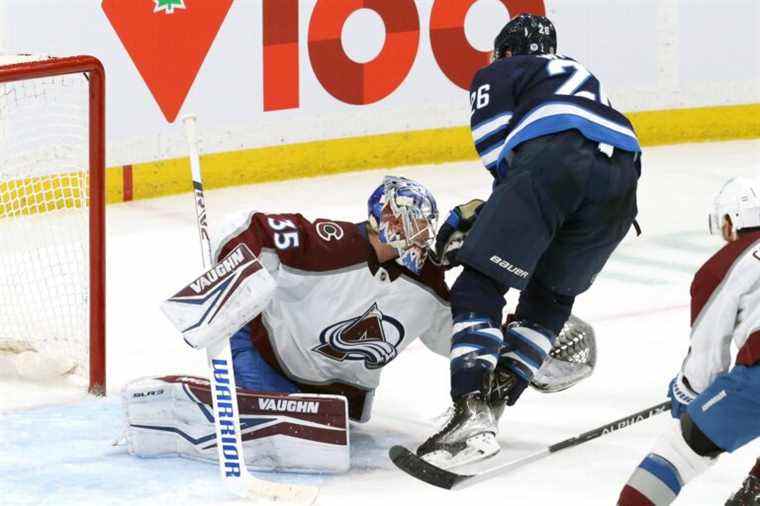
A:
x: 469, y: 435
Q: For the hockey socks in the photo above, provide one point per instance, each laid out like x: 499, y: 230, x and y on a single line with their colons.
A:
x: 661, y: 475
x: 655, y: 482
x: 528, y: 344
x: 475, y: 347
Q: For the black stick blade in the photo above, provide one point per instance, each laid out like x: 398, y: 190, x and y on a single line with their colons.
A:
x: 418, y: 468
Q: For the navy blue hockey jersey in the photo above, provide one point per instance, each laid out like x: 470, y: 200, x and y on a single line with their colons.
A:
x: 526, y: 96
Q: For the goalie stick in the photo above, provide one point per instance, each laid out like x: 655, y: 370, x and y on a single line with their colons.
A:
x: 223, y: 386
x: 418, y: 468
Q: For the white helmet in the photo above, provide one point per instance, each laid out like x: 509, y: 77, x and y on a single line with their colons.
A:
x: 740, y: 200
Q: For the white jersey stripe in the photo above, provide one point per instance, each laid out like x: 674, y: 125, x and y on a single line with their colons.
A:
x: 489, y: 127
x: 492, y: 155
x: 555, y: 109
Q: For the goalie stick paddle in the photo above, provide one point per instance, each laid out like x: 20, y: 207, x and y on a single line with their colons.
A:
x: 223, y: 386
x: 418, y: 468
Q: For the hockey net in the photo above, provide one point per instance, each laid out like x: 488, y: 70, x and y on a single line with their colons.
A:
x: 52, y: 217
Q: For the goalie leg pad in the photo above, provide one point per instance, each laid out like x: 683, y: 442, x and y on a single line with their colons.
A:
x: 221, y: 300
x: 172, y: 416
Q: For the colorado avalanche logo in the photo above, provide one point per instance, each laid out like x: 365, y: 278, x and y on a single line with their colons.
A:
x: 329, y: 230
x: 372, y: 337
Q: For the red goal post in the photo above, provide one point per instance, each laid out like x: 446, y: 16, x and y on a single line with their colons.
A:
x: 29, y: 67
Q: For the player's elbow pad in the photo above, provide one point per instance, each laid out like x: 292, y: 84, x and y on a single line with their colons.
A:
x: 223, y: 299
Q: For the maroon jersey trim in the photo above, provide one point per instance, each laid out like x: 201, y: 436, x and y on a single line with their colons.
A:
x: 710, y: 276
x: 324, y: 245
x: 749, y: 354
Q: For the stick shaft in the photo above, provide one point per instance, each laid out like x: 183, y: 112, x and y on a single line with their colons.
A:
x: 562, y: 445
x: 232, y: 466
x: 611, y: 427
x: 200, y: 200
x: 223, y: 386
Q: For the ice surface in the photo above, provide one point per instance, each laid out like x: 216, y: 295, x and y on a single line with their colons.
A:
x: 60, y: 452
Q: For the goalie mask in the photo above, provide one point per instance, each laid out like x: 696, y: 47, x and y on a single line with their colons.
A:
x: 404, y: 215
x: 739, y: 199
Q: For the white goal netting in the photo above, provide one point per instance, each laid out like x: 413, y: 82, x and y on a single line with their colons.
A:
x: 44, y: 220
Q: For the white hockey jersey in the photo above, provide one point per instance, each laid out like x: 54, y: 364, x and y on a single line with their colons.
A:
x: 725, y: 307
x: 337, y: 316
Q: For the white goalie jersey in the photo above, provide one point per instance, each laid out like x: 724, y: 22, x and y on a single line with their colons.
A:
x: 337, y: 316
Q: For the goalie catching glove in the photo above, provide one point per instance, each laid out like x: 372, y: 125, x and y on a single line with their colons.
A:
x: 223, y: 299
x: 451, y: 236
x: 571, y: 359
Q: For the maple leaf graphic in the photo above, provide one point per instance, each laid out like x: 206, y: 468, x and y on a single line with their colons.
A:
x: 168, y: 6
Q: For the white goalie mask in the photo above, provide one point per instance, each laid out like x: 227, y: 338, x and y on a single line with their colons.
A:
x: 404, y: 215
x: 739, y: 199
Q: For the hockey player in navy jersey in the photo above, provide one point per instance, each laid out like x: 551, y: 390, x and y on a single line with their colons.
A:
x: 716, y: 406
x: 565, y: 165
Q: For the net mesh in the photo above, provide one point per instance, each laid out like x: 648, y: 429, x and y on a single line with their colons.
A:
x: 44, y: 220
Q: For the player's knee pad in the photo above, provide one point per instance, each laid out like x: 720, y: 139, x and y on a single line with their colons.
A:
x: 545, y: 307
x: 698, y: 440
x: 663, y: 473
x: 673, y: 447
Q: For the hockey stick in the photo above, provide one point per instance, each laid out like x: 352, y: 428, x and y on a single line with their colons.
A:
x: 422, y: 470
x: 223, y: 386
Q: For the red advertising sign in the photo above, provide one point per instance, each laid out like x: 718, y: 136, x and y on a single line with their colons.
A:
x: 365, y: 83
x: 167, y: 41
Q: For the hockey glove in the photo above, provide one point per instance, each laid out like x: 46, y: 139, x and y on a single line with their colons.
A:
x: 681, y: 395
x: 451, y: 236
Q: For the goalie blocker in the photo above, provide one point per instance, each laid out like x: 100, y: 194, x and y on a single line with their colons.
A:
x: 223, y: 299
x: 172, y: 416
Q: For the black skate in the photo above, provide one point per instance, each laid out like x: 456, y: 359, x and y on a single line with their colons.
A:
x: 468, y: 435
x: 748, y: 495
x: 502, y: 383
